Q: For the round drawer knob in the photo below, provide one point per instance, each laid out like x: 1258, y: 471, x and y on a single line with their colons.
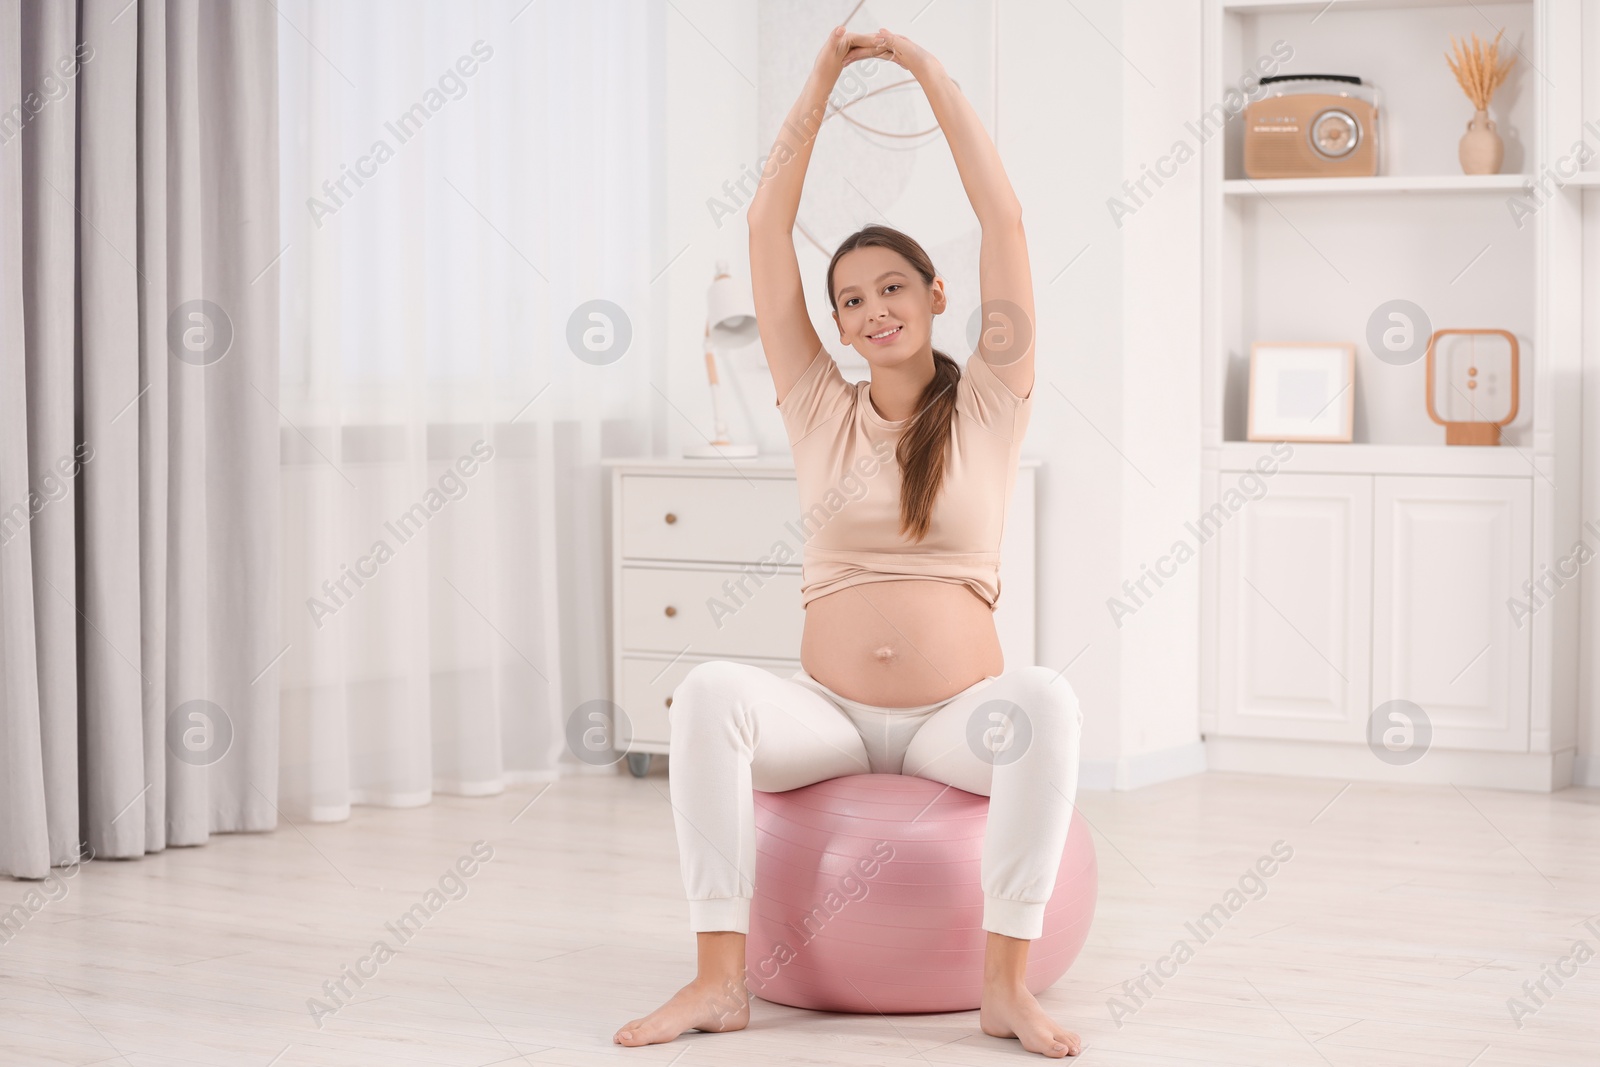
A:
x: 671, y: 518
x: 671, y: 611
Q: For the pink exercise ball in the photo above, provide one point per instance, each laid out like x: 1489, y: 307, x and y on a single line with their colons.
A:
x: 868, y: 898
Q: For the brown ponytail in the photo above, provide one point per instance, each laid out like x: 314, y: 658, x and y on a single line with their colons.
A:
x: 926, y: 441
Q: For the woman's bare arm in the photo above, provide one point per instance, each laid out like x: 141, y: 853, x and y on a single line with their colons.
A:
x: 787, y: 336
x: 1005, y: 278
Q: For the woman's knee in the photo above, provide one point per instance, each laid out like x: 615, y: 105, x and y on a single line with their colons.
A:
x: 710, y: 689
x: 1047, y: 701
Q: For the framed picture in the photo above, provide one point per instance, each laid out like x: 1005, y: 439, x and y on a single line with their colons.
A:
x: 1302, y: 391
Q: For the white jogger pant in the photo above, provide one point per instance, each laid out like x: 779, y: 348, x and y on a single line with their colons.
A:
x: 1012, y: 737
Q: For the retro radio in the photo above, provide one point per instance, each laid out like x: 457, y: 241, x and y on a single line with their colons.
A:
x: 1312, y: 126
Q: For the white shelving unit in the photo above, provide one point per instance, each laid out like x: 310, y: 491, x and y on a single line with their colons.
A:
x: 1387, y: 569
x: 1383, y: 183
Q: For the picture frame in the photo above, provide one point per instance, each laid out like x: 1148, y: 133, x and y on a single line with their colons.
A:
x: 1302, y: 391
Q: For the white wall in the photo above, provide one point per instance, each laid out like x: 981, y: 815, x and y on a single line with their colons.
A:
x: 1113, y: 414
x: 1161, y: 303
x: 1119, y: 359
x: 1586, y: 768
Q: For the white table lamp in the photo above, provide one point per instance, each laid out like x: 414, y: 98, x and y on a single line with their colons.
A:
x: 730, y: 322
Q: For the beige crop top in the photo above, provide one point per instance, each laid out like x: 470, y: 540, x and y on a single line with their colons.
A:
x: 850, y: 483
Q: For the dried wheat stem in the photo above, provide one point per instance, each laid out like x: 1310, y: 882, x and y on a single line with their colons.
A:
x: 1477, y: 67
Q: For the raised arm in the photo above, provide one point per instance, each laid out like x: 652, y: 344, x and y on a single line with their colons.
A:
x: 1005, y: 278
x: 787, y: 336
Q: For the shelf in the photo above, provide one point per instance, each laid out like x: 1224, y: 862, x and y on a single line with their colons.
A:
x: 1502, y: 461
x: 1419, y: 183
x: 1273, y: 7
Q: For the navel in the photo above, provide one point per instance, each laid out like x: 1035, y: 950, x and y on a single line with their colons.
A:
x: 884, y: 654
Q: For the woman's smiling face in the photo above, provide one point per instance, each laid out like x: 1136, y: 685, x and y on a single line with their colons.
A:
x: 878, y: 292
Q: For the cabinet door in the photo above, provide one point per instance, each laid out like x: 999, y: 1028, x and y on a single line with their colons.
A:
x: 1451, y: 553
x: 1294, y: 596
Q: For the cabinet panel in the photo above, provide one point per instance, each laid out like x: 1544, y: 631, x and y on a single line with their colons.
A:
x: 1295, y: 588
x: 715, y: 613
x: 646, y: 694
x: 1452, y: 552
x: 710, y: 519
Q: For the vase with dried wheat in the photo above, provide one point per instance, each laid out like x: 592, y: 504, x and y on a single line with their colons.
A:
x: 1479, y: 72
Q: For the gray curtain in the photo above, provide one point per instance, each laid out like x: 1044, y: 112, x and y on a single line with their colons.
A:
x: 138, y: 428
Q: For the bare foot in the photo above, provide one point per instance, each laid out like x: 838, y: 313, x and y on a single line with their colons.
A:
x: 714, y: 1007
x: 1012, y: 1011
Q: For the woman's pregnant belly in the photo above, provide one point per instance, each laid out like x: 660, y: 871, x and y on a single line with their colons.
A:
x: 900, y: 643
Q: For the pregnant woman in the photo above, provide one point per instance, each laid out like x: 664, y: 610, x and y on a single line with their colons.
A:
x: 904, y: 483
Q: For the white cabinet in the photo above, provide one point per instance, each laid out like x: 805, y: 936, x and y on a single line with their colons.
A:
x: 1340, y: 592
x: 1453, y: 554
x: 1296, y: 584
x: 1385, y: 567
x: 706, y: 564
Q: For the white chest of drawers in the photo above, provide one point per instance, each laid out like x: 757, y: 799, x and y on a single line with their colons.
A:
x: 706, y: 564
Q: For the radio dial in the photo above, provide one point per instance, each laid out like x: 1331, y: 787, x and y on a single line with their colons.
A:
x: 1334, y: 133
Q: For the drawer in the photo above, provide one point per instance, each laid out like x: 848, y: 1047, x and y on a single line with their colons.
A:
x: 708, y: 520
x: 671, y: 610
x: 644, y: 697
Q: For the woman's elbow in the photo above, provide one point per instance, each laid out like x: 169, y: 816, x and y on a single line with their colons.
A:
x: 766, y: 221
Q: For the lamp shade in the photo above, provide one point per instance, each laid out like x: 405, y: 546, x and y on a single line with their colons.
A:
x: 730, y: 312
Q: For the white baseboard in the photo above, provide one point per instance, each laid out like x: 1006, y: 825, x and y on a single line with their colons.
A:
x: 1147, y: 768
x: 1525, y: 771
x: 1586, y: 771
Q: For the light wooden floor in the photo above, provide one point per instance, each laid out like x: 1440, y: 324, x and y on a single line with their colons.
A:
x: 1394, y: 936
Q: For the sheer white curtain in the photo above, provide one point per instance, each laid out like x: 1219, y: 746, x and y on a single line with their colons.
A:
x: 458, y: 179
